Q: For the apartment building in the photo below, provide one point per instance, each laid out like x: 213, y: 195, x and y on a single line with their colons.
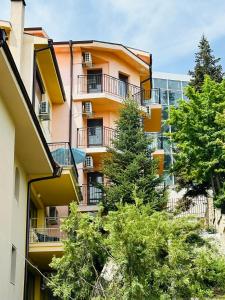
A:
x: 38, y: 175
x: 97, y: 77
x: 58, y: 107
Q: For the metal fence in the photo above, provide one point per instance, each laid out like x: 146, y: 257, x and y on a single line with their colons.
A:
x: 196, y: 206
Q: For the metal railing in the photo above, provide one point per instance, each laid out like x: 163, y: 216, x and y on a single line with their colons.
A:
x: 98, y: 136
x: 103, y: 83
x: 196, y: 206
x: 46, y: 235
x: 48, y: 231
x: 63, y: 154
x: 91, y: 195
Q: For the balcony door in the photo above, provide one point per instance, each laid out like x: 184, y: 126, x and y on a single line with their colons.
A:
x: 94, y: 193
x: 123, y: 84
x: 95, y: 132
x: 94, y: 81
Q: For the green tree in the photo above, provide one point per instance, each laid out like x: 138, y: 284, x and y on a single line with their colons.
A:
x: 205, y: 64
x: 130, y: 164
x: 83, y: 259
x: 199, y: 137
x: 155, y: 256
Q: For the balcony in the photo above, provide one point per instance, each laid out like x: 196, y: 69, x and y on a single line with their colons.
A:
x: 97, y: 136
x: 106, y: 84
x: 91, y: 196
x: 45, y: 240
x: 63, y: 155
x: 64, y: 189
x: 46, y: 231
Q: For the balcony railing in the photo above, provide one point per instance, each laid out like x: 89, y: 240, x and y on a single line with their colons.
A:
x: 48, y: 232
x: 46, y: 235
x: 91, y: 194
x: 97, y: 136
x: 103, y: 83
x: 156, y: 141
x: 147, y: 97
x: 63, y: 154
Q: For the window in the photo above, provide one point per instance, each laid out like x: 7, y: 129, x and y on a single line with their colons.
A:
x: 13, y: 265
x: 17, y: 184
x: 174, y: 96
x: 160, y: 83
x: 174, y: 85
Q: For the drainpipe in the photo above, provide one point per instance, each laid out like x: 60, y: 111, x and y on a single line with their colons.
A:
x: 56, y: 174
x: 71, y: 92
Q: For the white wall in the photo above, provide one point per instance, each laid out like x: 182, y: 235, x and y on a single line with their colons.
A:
x: 12, y: 212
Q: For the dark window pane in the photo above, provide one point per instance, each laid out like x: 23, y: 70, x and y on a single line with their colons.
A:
x: 167, y: 162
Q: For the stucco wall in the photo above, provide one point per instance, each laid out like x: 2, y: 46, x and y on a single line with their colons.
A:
x: 12, y: 212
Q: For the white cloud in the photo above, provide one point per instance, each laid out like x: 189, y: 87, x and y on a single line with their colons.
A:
x: 170, y: 29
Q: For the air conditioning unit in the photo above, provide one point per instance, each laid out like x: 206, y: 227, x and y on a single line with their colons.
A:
x: 88, y: 163
x: 87, y: 108
x: 44, y: 111
x: 87, y: 59
x: 148, y: 110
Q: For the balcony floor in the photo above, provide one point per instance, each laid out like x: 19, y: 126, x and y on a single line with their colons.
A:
x: 41, y: 254
x: 58, y: 191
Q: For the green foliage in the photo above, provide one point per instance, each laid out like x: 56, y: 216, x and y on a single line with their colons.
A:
x: 83, y: 257
x: 199, y: 136
x: 130, y: 165
x: 206, y: 64
x: 157, y: 257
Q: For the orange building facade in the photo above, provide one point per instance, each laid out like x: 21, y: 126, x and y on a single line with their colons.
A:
x: 97, y: 77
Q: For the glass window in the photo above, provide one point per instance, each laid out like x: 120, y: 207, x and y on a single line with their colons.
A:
x: 164, y: 97
x: 160, y: 83
x: 167, y: 162
x: 184, y: 83
x: 166, y: 144
x: 174, y: 96
x: 174, y: 85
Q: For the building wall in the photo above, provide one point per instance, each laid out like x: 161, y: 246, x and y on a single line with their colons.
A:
x: 13, y: 211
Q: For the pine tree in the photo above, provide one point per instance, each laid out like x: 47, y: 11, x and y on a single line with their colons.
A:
x: 131, y: 165
x: 206, y: 64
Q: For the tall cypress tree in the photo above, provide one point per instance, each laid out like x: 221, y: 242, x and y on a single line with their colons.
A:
x: 206, y: 64
x: 131, y: 167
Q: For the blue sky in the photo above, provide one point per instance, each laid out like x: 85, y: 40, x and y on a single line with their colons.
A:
x: 169, y: 29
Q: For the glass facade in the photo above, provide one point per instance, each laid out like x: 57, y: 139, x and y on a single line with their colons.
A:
x: 171, y: 91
